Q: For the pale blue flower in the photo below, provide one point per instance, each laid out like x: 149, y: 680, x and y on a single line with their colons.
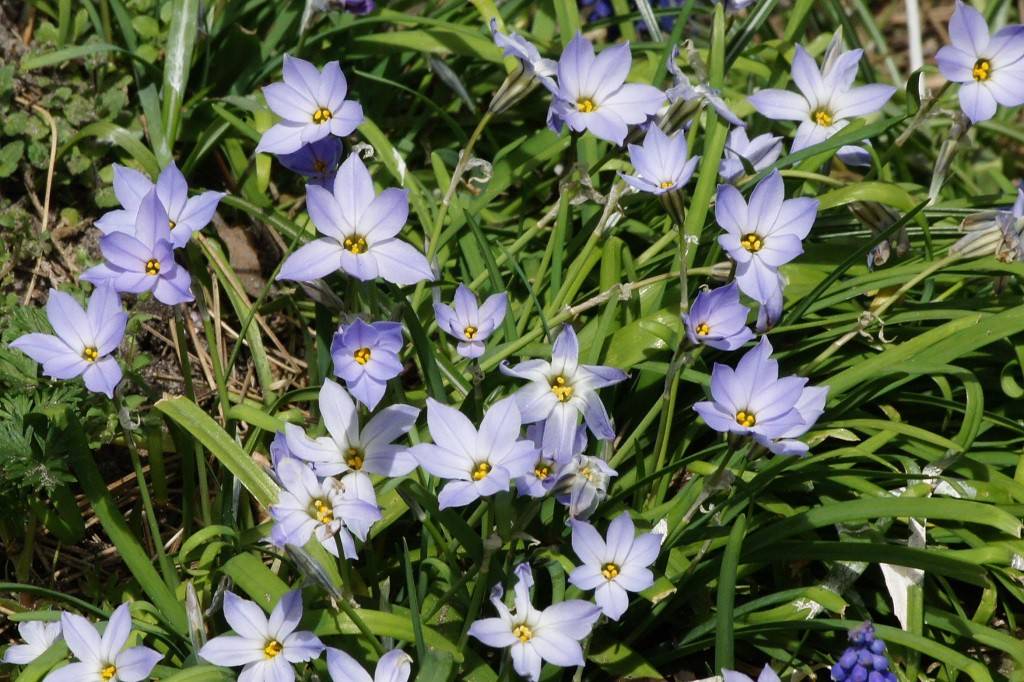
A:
x: 582, y: 484
x: 475, y: 463
x: 470, y: 322
x: 38, y: 635
x: 615, y: 567
x: 266, y: 648
x: 989, y: 68
x: 394, y: 666
x: 809, y: 406
x: 84, y: 340
x: 718, y: 319
x: 560, y: 391
x: 767, y: 675
x: 541, y: 479
x: 312, y: 105
x: 366, y: 358
x: 534, y: 636
x: 662, y: 164
x: 100, y: 658
x: 760, y: 152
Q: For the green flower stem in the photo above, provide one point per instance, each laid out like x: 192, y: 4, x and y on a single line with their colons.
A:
x: 190, y: 392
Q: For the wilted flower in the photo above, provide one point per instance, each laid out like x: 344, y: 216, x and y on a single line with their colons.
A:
x: 718, y: 319
x: 394, y: 666
x: 593, y: 95
x: 767, y: 675
x: 539, y: 481
x: 661, y: 163
x: 560, y: 391
x: 144, y: 260
x: 347, y: 449
x: 38, y: 635
x: 763, y: 235
x: 366, y: 357
x: 761, y: 152
x: 752, y: 399
x: 864, y: 660
x: 185, y: 215
x: 317, y: 161
x: 583, y: 484
x: 476, y: 463
x: 994, y: 232
x: 266, y: 648
x: 359, y: 229
x: 687, y: 97
x: 827, y: 99
x: 991, y: 69
x: 532, y: 69
x: 312, y: 104
x: 83, y: 342
x: 308, y: 507
x: 534, y: 636
x: 470, y: 322
x: 616, y: 567
x: 101, y: 658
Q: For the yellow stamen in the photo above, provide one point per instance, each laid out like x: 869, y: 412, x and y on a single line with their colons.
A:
x: 322, y: 115
x: 665, y: 184
x: 585, y: 105
x: 354, y: 459
x: 587, y: 473
x: 561, y: 388
x: 542, y: 471
x: 362, y: 356
x: 481, y: 471
x: 323, y: 512
x: 752, y: 242
x: 745, y: 419
x: 470, y: 332
x: 355, y: 244
x: 171, y: 223
x: 610, y: 571
x: 522, y: 632
x: 272, y: 649
x: 822, y: 117
x: 703, y: 329
x: 319, y: 166
x: 982, y: 70
x: 108, y: 672
x: 90, y: 354
x: 152, y: 267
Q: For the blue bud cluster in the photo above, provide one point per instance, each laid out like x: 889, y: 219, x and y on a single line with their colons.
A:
x: 864, y: 660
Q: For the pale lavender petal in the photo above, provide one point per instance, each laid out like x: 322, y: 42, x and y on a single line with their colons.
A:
x: 596, y: 416
x: 587, y: 543
x: 385, y: 215
x: 457, y: 494
x: 347, y: 118
x: 353, y: 189
x: 731, y: 210
x: 339, y: 413
x: 301, y: 646
x: 282, y: 138
x: 245, y: 617
x: 135, y: 664
x: 196, y: 215
x: 231, y: 651
x: 634, y: 578
x: 286, y: 615
x: 608, y: 72
x: 620, y: 538
x: 612, y: 598
x: 441, y: 462
x: 102, y: 376
x: 130, y: 186
x: 311, y: 261
x: 526, y: 661
x: 634, y: 102
x: 394, y: 666
x: 500, y: 427
x: 955, y: 64
x: 43, y: 347
x: 289, y: 103
x: 388, y: 424
x: 977, y: 102
x: 557, y: 648
x: 862, y: 101
x: 73, y: 672
x: 968, y: 30
x: 81, y: 637
x: 400, y: 263
x: 341, y: 666
x: 69, y: 321
x: 780, y: 105
x: 573, y: 618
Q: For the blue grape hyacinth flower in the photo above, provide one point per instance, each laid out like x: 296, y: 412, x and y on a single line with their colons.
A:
x: 864, y: 660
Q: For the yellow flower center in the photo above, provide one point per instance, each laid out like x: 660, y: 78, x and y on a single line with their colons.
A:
x: 272, y: 649
x: 470, y: 332
x: 745, y: 419
x: 362, y: 356
x: 171, y: 224
x: 322, y: 115
x: 481, y: 470
x: 542, y: 470
x: 587, y: 473
x: 152, y: 267
x: 982, y: 70
x: 703, y: 329
x: 585, y: 105
x: 822, y: 117
x: 90, y: 354
x: 108, y: 672
x: 324, y: 513
x: 752, y: 242
x: 354, y: 459
x: 355, y: 244
x: 319, y: 166
x: 522, y: 632
x: 561, y: 388
x: 610, y: 571
x: 665, y: 184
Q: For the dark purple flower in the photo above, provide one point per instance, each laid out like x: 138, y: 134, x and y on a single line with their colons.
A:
x: 864, y: 660
x: 318, y: 161
x: 83, y: 342
x: 366, y: 357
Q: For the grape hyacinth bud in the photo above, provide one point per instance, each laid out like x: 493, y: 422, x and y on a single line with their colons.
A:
x: 864, y: 660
